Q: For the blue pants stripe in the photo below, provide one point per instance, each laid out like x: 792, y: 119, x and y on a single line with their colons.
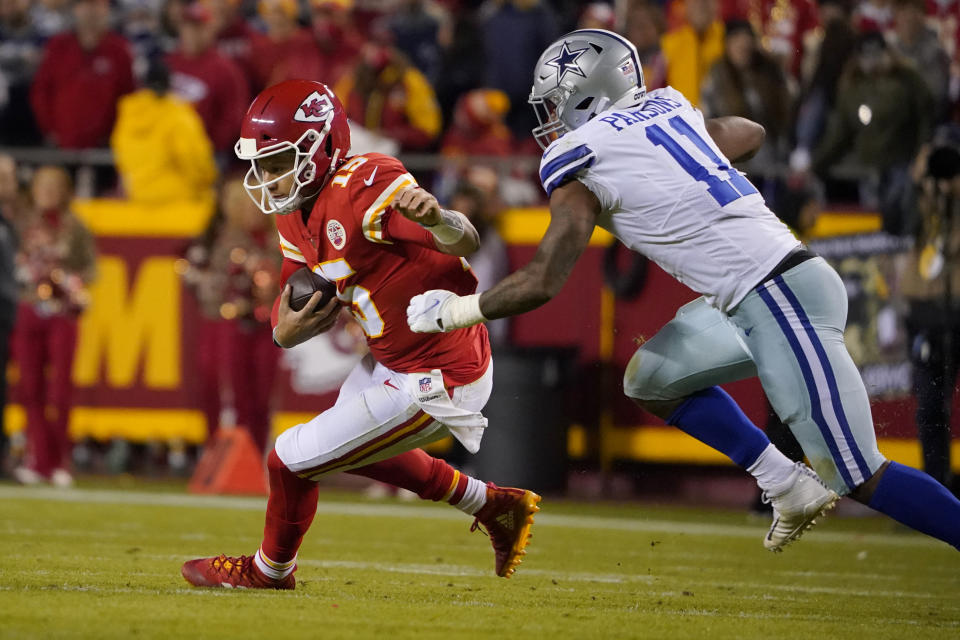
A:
x: 816, y: 412
x: 835, y: 398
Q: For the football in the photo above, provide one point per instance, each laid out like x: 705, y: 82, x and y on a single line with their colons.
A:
x: 303, y: 283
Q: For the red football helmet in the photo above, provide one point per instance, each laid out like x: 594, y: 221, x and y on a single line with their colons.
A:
x: 300, y: 116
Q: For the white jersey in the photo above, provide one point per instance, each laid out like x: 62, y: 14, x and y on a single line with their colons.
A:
x: 667, y: 191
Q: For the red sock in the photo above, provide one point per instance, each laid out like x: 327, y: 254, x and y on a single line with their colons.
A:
x: 428, y: 477
x: 290, y: 510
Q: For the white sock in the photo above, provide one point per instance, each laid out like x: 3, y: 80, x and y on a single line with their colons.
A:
x: 773, y: 471
x: 271, y: 569
x: 473, y: 498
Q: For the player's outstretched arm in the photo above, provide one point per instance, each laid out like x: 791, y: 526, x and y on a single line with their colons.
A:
x: 573, y: 215
x: 451, y: 230
x: 738, y: 138
x: 294, y: 327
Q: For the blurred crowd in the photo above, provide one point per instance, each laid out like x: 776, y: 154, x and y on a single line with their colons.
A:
x: 854, y: 96
x: 848, y: 88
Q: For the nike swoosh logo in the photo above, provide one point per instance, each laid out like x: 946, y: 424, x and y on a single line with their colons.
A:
x: 435, y: 303
x: 369, y: 181
x: 390, y: 384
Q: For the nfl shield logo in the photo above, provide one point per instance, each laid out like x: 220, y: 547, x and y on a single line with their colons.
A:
x: 425, y: 384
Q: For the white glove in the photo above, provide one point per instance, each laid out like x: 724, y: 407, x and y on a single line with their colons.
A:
x: 438, y: 311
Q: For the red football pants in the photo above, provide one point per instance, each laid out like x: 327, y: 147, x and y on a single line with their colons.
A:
x: 44, y: 347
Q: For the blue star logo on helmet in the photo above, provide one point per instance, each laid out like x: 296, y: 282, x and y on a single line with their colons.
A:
x: 566, y: 61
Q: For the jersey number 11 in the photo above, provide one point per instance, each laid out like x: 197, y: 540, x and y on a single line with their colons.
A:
x: 723, y: 191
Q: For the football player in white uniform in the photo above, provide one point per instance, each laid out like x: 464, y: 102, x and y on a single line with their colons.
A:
x: 649, y: 169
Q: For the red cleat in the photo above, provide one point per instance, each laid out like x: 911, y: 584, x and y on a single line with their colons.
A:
x: 231, y: 573
x: 507, y: 517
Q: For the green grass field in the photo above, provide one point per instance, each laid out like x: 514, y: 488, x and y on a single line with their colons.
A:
x: 102, y: 563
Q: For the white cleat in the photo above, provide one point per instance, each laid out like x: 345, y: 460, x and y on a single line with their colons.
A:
x: 797, y: 509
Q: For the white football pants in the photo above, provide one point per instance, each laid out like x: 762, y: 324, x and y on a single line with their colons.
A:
x: 381, y: 413
x: 789, y: 332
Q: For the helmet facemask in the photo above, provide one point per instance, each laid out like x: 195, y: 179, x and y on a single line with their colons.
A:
x: 547, y: 108
x: 303, y: 169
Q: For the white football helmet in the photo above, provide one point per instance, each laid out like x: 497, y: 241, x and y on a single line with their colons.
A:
x: 580, y: 75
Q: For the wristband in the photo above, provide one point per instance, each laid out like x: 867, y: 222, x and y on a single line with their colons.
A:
x: 461, y: 312
x: 450, y: 228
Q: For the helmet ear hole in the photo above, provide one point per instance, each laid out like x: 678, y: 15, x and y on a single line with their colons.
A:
x: 584, y: 104
x: 328, y: 147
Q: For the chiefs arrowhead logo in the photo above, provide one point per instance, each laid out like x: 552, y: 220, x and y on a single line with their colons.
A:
x: 314, y: 108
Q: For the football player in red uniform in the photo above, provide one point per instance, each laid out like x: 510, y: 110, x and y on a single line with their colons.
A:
x: 363, y: 223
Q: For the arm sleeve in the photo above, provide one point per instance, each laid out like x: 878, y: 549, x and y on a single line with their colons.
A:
x: 400, y: 229
x: 290, y: 252
x: 378, y: 221
x: 563, y: 161
x: 373, y: 186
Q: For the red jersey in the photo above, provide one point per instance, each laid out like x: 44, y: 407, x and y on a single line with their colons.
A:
x: 380, y: 260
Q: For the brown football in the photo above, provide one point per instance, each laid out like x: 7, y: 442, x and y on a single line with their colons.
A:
x: 303, y: 283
